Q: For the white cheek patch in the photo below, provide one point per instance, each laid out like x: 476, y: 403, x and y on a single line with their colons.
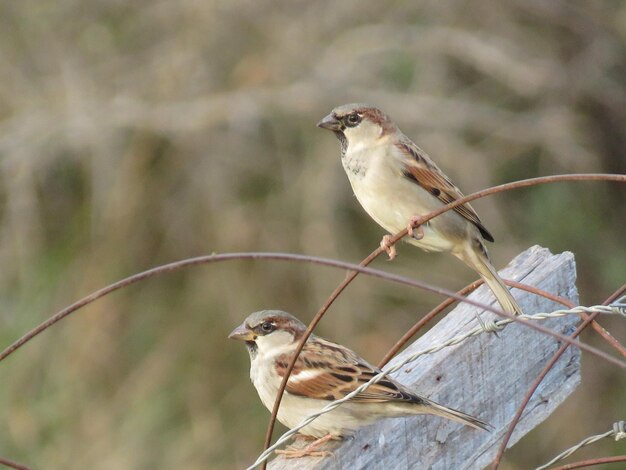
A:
x: 275, y: 343
x: 365, y: 133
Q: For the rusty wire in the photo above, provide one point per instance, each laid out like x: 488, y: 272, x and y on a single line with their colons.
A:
x: 278, y: 257
x: 491, y: 326
x: 272, y: 256
x: 397, y: 237
x: 13, y: 464
x: 449, y: 301
x: 354, y: 271
x: 424, y: 321
x: 170, y: 267
x: 541, y: 376
x: 472, y: 287
x: 592, y: 462
x: 174, y: 266
x: 234, y: 256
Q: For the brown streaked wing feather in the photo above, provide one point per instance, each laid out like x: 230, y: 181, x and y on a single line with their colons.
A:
x: 427, y: 175
x: 327, y: 371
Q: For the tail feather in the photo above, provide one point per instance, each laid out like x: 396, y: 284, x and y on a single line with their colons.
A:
x: 478, y: 260
x: 501, y: 291
x: 458, y: 416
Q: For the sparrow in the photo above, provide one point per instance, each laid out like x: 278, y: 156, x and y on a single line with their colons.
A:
x: 324, y: 372
x: 396, y: 182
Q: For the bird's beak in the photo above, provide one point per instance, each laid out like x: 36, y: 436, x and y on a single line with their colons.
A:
x: 330, y: 123
x: 242, y: 333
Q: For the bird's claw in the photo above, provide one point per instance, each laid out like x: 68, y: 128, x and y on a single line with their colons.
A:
x: 389, y: 247
x: 308, y: 451
x: 297, y: 453
x: 414, y: 228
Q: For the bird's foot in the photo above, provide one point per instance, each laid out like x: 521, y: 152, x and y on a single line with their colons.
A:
x: 308, y: 451
x: 414, y: 228
x: 389, y: 247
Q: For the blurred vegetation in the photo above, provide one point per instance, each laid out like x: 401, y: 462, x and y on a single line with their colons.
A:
x: 138, y: 133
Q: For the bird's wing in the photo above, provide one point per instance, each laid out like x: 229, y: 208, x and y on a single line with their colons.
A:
x: 328, y: 371
x: 422, y: 171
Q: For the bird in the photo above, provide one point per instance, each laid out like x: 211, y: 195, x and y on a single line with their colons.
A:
x: 324, y: 372
x: 396, y: 182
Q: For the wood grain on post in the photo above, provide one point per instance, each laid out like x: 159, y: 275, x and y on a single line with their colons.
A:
x: 485, y: 376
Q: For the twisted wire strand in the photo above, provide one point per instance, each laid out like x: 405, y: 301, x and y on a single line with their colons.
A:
x: 618, y: 431
x: 489, y: 326
x: 620, y: 305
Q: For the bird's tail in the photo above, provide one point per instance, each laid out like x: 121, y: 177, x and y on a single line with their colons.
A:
x: 478, y: 260
x: 458, y: 416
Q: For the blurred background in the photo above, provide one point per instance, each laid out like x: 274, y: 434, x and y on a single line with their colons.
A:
x: 138, y: 133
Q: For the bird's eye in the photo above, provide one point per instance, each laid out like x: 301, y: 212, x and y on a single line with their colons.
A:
x: 352, y: 120
x: 267, y: 327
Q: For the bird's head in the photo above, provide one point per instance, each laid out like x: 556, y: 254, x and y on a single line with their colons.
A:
x: 358, y: 123
x: 269, y: 332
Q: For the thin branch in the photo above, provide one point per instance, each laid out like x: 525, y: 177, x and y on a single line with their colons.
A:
x: 309, y: 330
x: 608, y: 337
x: 523, y: 184
x: 424, y: 320
x: 397, y: 237
x: 470, y: 288
x: 287, y: 257
x: 592, y: 462
x: 355, y: 270
x: 541, y: 376
x: 170, y: 267
x: 489, y: 327
x: 12, y: 464
x: 449, y: 301
x: 507, y: 187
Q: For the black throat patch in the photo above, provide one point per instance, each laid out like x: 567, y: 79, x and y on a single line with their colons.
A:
x: 343, y: 141
x: 252, y: 349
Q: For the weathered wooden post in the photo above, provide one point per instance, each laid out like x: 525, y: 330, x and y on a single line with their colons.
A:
x: 486, y: 376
